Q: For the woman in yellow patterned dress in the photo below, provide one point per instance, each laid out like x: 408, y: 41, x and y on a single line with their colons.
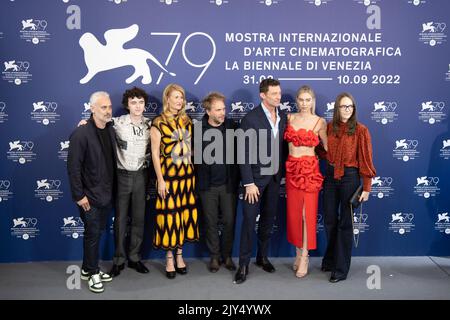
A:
x: 176, y: 212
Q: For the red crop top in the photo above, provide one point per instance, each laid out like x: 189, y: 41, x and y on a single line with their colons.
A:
x: 301, y: 137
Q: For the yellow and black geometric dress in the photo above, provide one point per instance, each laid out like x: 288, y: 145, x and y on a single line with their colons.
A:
x: 176, y: 216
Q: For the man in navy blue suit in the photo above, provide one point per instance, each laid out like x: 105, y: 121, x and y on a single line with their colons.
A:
x: 261, y: 175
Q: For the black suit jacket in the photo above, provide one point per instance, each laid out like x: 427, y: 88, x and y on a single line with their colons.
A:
x: 86, y: 165
x: 252, y: 172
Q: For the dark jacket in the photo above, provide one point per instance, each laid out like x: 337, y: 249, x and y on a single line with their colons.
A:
x: 203, y: 171
x: 86, y: 165
x: 251, y: 172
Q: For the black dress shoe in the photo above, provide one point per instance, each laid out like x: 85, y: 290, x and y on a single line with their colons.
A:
x: 115, y: 270
x: 214, y: 265
x: 241, y: 275
x: 229, y: 264
x: 138, y: 266
x: 265, y: 264
x: 182, y: 270
x: 334, y: 279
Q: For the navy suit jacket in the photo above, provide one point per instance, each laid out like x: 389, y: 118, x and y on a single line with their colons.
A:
x: 251, y: 172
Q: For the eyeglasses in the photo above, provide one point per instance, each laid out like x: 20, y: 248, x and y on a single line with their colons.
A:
x: 347, y: 108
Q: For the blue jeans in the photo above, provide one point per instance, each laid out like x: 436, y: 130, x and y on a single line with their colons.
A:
x: 94, y: 224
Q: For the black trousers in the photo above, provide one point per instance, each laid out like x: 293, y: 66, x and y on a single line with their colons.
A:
x: 267, y: 206
x: 338, y: 219
x: 94, y: 224
x: 131, y: 189
x: 218, y: 203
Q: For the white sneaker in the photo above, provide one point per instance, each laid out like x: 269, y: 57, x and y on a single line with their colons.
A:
x: 95, y: 283
x: 104, y: 277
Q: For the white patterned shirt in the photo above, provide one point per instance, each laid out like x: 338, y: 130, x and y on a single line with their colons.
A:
x: 133, y: 143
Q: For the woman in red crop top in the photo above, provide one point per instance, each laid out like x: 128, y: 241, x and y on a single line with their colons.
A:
x: 303, y: 178
x: 349, y: 157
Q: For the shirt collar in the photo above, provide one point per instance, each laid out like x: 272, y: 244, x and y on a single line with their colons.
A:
x: 128, y: 119
x: 266, y: 111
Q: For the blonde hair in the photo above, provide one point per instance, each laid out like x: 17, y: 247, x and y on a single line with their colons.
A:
x: 182, y: 113
x: 310, y: 91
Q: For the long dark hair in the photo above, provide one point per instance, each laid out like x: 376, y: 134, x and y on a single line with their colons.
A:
x: 352, y: 122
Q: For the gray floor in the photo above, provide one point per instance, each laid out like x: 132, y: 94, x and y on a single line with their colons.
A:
x: 401, y: 278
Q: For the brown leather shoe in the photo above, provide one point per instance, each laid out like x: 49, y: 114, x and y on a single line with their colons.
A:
x: 229, y: 264
x: 214, y: 265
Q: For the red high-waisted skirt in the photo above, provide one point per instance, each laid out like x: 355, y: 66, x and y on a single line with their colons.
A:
x: 303, y: 183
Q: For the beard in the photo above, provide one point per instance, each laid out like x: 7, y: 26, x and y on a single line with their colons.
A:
x: 217, y: 121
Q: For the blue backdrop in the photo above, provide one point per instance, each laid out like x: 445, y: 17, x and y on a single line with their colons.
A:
x: 393, y: 56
